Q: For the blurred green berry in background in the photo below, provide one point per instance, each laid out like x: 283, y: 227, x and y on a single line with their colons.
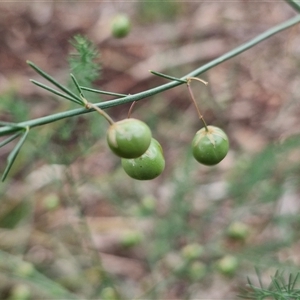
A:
x: 120, y: 26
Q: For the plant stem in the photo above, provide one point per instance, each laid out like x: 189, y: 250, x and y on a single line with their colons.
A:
x: 130, y: 109
x: 294, y: 4
x: 198, y: 79
x: 139, y: 96
x: 89, y: 105
x: 197, y: 108
x: 100, y: 111
x: 261, y: 37
x: 167, y: 76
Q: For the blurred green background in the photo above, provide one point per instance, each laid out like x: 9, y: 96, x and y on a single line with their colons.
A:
x: 73, y: 225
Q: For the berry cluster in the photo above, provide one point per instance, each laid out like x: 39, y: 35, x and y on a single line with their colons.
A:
x: 142, y: 155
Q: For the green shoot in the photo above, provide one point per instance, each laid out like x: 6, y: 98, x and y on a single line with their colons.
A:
x: 83, y: 63
x: 278, y: 289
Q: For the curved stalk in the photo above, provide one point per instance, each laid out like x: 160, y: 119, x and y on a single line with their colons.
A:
x: 197, y: 107
x: 130, y: 109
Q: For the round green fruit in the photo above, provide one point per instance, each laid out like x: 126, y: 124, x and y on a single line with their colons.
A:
x: 192, y: 251
x: 210, y: 145
x: 24, y: 269
x: 108, y: 293
x: 148, y: 166
x: 197, y: 270
x: 131, y: 239
x: 21, y: 291
x: 120, y: 26
x: 51, y: 201
x: 129, y: 138
x: 227, y: 265
x: 238, y: 231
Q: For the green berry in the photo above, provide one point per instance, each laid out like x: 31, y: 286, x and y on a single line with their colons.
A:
x: 129, y: 138
x: 120, y: 26
x: 108, y: 293
x: 21, y: 292
x: 51, y: 201
x: 131, y: 239
x: 148, y: 166
x: 197, y: 270
x: 238, y: 231
x: 227, y: 265
x: 148, y: 205
x: 210, y: 146
x: 25, y: 269
x: 192, y: 251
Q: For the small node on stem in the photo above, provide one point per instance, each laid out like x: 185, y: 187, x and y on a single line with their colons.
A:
x: 85, y: 102
x: 189, y: 79
x: 89, y: 105
x: 102, y: 113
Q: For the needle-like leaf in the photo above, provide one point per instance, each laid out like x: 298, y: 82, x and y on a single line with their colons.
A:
x: 102, y: 92
x: 12, y: 156
x: 8, y: 129
x: 292, y: 286
x: 14, y: 125
x: 167, y: 76
x: 53, y: 81
x: 77, y: 85
x: 11, y: 138
x: 55, y: 91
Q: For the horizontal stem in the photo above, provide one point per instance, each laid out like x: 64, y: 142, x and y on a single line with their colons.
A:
x: 139, y: 96
x: 261, y: 37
